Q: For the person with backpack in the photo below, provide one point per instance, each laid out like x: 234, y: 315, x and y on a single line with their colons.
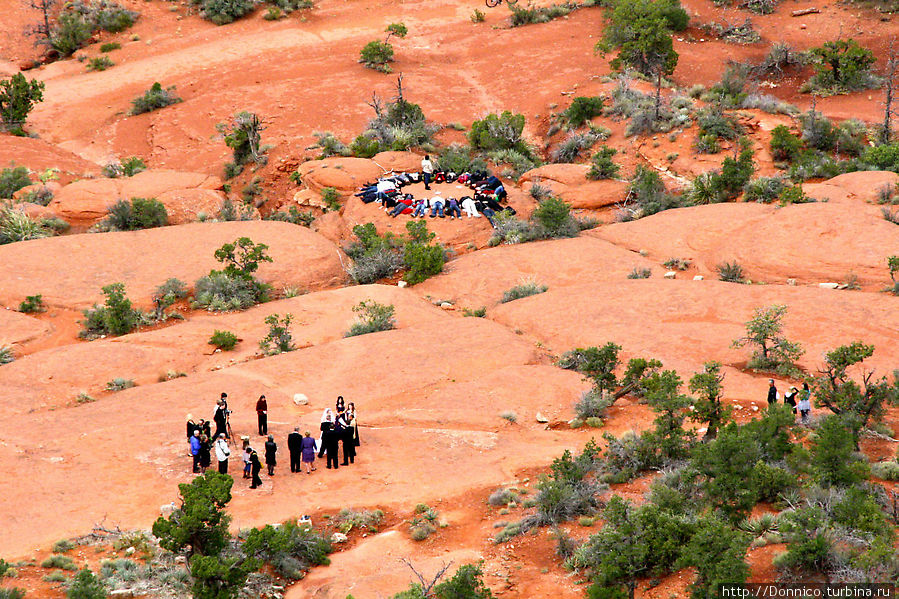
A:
x: 427, y: 171
x: 271, y: 448
x: 222, y: 453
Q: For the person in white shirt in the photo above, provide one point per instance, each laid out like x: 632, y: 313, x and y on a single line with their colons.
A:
x: 427, y: 171
x: 468, y: 207
x: 222, y: 453
x: 437, y: 206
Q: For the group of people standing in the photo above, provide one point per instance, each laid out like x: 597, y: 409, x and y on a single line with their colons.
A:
x: 800, y: 401
x: 338, y: 428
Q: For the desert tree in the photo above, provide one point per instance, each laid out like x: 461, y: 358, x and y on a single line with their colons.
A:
x: 773, y: 352
x: 17, y: 98
x: 707, y: 404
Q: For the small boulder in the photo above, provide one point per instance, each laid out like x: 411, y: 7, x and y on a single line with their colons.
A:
x: 698, y: 278
x: 300, y: 399
x: 671, y: 274
x: 541, y: 418
x: 828, y: 285
x: 401, y: 284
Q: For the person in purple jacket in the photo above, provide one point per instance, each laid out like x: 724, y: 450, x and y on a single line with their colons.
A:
x: 308, y: 449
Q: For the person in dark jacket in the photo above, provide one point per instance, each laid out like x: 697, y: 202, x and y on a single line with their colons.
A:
x: 271, y: 448
x: 221, y: 420
x: 295, y: 447
x: 308, y: 448
x: 330, y: 444
x: 191, y: 427
x: 262, y: 415
x: 255, y: 468
x: 772, y: 392
x: 205, y: 428
x: 348, y: 441
x: 205, y: 453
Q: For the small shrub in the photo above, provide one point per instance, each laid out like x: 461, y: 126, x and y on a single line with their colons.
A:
x: 502, y: 497
x: 116, y: 317
x: 398, y: 29
x: 294, y: 216
x: 15, y: 226
x: 278, y: 340
x: 139, y: 213
x: 222, y: 12
x: 372, y: 318
x: 784, y: 145
x: 347, y: 519
x: 512, y: 530
x: 83, y: 397
x: 582, y: 110
x: 421, y: 531
x: 512, y: 417
x: 70, y: 33
x: 100, y: 63
x: 119, y: 384
x: 764, y: 189
x: 218, y: 292
x: 477, y: 16
x: 592, y: 404
x: 273, y: 14
x: 223, y: 340
x: 32, y: 304
x: 12, y: 179
x: 331, y: 198
x: 732, y: 272
x: 55, y: 576
x: 62, y: 546
x: 330, y: 145
x: 888, y: 470
x: 154, y: 98
x: 639, y: 273
x: 62, y: 562
x: 86, y: 586
x: 110, y: 46
x: 676, y: 263
x: 376, y: 55
x: 843, y: 65
x: 365, y: 146
x: 553, y: 216
x: 602, y: 165
x: 476, y: 313
x: 522, y: 291
x: 499, y: 132
x: 6, y: 354
x: 244, y: 136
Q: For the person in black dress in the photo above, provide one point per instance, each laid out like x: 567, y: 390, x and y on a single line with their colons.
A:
x: 256, y: 467
x: 271, y: 448
x: 295, y: 447
x: 220, y: 419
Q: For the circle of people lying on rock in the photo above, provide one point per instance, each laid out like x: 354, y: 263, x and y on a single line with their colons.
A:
x: 488, y: 192
x: 338, y: 430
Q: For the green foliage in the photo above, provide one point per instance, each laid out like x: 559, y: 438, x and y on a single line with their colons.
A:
x: 597, y: 364
x: 86, y: 586
x: 224, y: 340
x: 668, y: 439
x: 291, y: 549
x: 347, y: 519
x: 242, y: 257
x: 12, y: 179
x: 530, y: 14
x: 99, y: 63
x: 376, y: 54
x: 458, y: 159
x: 139, y: 213
x: 602, y: 166
x: 477, y: 16
x: 764, y: 189
x: 70, y: 33
x: 218, y: 577
x: 218, y: 292
x: 731, y: 272
x: 466, y: 583
x: 718, y: 552
x: 244, y: 136
x: 634, y: 542
x: 372, y: 318
x: 17, y: 97
x: 222, y: 12
x: 400, y: 124
x: 62, y: 562
x: 294, y: 216
x: 832, y: 454
x: 648, y: 194
x: 499, y: 132
x: 522, y: 291
x: 398, y: 29
x: 365, y: 146
x: 773, y: 352
x: 724, y: 465
x: 843, y: 65
x: 6, y: 354
x: 154, y: 98
x: 110, y: 46
x: 116, y: 317
x: 420, y: 258
x: 63, y: 546
x: 641, y: 31
x: 278, y: 340
x: 582, y: 110
x: 639, y: 273
x: 16, y: 225
x: 784, y: 145
x: 554, y: 216
x: 330, y: 145
x: 200, y: 525
x: 707, y: 405
x: 838, y: 391
x: 726, y: 184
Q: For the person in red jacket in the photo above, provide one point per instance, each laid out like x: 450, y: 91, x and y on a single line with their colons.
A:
x: 262, y: 415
